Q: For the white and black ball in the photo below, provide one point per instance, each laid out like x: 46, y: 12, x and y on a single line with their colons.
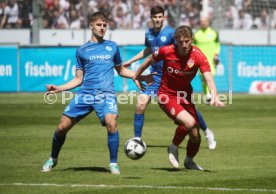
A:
x: 135, y: 148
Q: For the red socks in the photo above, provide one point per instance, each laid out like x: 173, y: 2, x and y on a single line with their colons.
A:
x: 192, y: 148
x: 180, y: 134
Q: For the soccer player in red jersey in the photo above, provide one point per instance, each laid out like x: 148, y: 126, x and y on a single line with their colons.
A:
x: 181, y: 62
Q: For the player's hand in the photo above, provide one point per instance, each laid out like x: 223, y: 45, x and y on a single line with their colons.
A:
x: 216, y: 59
x: 126, y: 64
x: 148, y: 79
x: 52, y: 89
x: 216, y: 102
x: 139, y: 82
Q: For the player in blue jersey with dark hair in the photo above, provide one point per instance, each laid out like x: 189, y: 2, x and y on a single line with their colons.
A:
x: 155, y: 38
x: 95, y: 64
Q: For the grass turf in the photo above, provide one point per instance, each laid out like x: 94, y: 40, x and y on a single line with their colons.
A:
x: 245, y: 155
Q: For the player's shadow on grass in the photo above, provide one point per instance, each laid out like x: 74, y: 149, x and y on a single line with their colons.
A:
x: 167, y: 169
x: 177, y: 170
x: 160, y: 146
x: 94, y: 169
x: 132, y: 177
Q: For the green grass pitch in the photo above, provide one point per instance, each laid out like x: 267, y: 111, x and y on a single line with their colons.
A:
x: 244, y: 161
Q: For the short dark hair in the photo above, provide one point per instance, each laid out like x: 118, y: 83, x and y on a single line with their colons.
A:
x: 98, y: 15
x: 157, y: 9
x: 185, y: 31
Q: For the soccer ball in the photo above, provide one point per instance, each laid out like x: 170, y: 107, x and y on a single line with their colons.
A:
x: 135, y: 148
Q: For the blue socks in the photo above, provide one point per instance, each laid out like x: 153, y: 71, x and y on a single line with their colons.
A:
x: 202, y: 123
x: 58, y: 141
x: 138, y: 124
x: 113, y: 146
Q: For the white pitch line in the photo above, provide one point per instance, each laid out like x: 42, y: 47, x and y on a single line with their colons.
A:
x: 135, y: 186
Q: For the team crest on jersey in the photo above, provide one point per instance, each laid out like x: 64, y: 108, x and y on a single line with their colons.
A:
x: 163, y: 38
x: 108, y: 48
x: 172, y: 111
x: 190, y: 63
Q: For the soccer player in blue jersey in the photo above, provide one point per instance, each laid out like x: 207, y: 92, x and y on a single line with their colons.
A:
x: 95, y: 64
x: 155, y: 38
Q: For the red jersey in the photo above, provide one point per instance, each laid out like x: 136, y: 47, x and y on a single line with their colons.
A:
x: 179, y: 71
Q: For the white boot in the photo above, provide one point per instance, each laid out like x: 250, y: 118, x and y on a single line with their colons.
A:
x: 210, y: 139
x: 173, y: 155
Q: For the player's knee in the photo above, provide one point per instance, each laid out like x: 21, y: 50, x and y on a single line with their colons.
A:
x: 142, y: 103
x: 61, y: 130
x: 64, y: 125
x: 190, y: 124
x: 111, y: 126
x: 140, y: 108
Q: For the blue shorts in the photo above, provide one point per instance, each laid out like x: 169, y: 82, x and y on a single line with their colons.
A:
x: 82, y: 104
x: 153, y: 88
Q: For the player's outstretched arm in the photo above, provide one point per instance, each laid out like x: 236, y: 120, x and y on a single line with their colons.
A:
x: 75, y: 82
x: 212, y: 87
x: 144, y: 53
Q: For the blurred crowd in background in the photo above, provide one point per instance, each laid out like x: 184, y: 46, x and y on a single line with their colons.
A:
x: 135, y: 14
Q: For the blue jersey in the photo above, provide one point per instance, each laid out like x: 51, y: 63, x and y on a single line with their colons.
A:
x: 97, y: 60
x: 155, y: 40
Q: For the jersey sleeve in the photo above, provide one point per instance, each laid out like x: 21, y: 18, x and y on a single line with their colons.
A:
x: 158, y: 54
x: 78, y: 61
x: 117, y: 57
x: 204, y: 65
